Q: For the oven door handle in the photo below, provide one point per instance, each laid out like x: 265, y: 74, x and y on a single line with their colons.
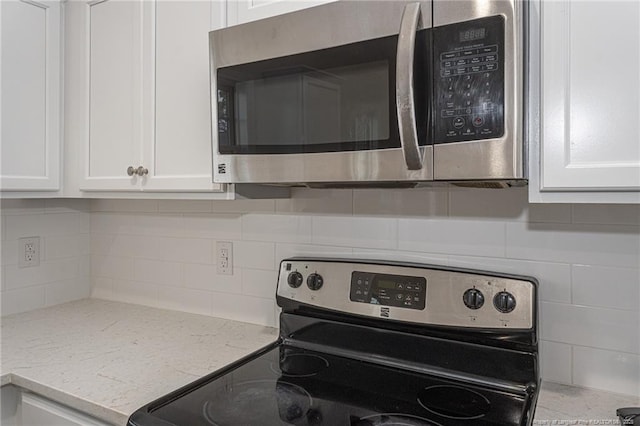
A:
x: 405, y: 104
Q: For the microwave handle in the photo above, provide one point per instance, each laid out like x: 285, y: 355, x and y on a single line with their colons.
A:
x: 404, y: 86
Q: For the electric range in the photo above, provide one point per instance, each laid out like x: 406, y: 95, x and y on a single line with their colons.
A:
x: 378, y: 343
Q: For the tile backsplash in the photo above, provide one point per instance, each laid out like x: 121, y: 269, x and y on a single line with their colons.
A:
x: 63, y: 272
x: 161, y: 253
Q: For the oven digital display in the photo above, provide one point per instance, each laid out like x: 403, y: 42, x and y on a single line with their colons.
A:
x: 389, y: 290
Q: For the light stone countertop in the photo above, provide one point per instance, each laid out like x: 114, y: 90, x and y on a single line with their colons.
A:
x: 108, y: 359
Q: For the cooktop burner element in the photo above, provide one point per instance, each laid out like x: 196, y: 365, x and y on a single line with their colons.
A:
x: 255, y: 401
x: 388, y: 419
x: 454, y: 402
x: 300, y: 365
x: 377, y: 344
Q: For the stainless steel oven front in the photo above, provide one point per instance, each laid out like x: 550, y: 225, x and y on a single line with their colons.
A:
x: 372, y: 93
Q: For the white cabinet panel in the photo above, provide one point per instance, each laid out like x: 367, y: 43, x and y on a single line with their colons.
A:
x: 241, y: 11
x: 38, y: 411
x: 30, y: 144
x: 590, y: 102
x: 116, y: 62
x: 180, y: 155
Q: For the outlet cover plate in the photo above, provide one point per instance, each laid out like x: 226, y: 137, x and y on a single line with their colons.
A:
x: 28, y: 252
x: 224, y: 257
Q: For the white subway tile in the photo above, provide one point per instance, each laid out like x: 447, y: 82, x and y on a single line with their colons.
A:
x: 255, y: 255
x: 66, y: 205
x: 66, y: 291
x: 205, y: 277
x: 135, y: 292
x: 554, y: 279
x: 217, y: 226
x: 9, y: 252
x: 549, y: 213
x: 101, y: 288
x: 401, y: 256
x: 326, y: 201
x: 116, y: 205
x: 64, y: 224
x: 189, y: 250
x: 284, y: 251
x: 401, y: 202
x: 22, y: 300
x: 244, y: 308
x: 555, y: 362
x: 158, y: 272
x: 112, y: 267
x: 101, y: 243
x: 84, y: 266
x: 21, y: 206
x: 276, y: 228
x: 584, y: 244
x: 494, y: 204
x: 460, y: 237
x: 608, y: 370
x: 185, y: 300
x: 594, y: 327
x: 616, y: 288
x: 350, y: 231
x: 26, y: 225
x: 113, y: 223
x: 46, y: 272
x: 56, y: 247
x: 611, y: 214
x: 185, y: 206
x: 159, y: 225
x: 259, y: 283
x: 244, y: 206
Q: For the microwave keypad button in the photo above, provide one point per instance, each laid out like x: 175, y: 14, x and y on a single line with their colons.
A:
x: 458, y: 122
x: 478, y: 121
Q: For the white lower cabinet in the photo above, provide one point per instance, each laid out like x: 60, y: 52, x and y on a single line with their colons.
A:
x: 31, y: 41
x: 23, y: 408
x: 39, y: 411
x: 145, y: 67
x: 589, y: 91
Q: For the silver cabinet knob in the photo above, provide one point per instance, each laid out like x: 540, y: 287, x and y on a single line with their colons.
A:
x: 142, y: 171
x: 131, y: 171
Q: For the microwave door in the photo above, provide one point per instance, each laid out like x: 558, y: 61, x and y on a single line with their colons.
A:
x: 322, y: 108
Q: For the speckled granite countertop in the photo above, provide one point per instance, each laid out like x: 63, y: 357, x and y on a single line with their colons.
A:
x: 107, y: 359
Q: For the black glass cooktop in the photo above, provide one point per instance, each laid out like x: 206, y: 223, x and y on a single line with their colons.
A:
x: 290, y: 386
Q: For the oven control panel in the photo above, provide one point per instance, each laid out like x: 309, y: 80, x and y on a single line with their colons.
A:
x: 414, y: 293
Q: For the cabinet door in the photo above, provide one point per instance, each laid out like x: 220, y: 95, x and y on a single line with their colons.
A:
x: 38, y: 411
x: 30, y: 81
x: 179, y: 156
x: 241, y: 11
x: 590, y: 86
x: 120, y: 71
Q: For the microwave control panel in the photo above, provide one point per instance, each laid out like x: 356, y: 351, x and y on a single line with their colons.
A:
x: 469, y: 80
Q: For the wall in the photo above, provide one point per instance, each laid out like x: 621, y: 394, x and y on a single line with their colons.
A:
x: 63, y: 273
x: 161, y: 253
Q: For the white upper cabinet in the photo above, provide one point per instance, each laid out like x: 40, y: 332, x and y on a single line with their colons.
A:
x: 241, y: 11
x: 147, y: 70
x: 30, y: 33
x: 589, y: 127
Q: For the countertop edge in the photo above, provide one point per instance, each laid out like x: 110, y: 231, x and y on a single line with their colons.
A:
x: 84, y: 406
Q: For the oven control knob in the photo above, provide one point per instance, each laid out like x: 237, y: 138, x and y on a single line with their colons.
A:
x: 294, y: 279
x: 315, y: 281
x: 473, y: 298
x: 505, y: 302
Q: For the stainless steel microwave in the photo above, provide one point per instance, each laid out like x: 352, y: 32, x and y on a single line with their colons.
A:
x: 374, y: 93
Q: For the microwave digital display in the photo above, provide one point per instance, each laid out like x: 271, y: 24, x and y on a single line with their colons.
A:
x: 472, y: 34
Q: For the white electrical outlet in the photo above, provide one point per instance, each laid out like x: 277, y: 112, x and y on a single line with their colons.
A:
x: 224, y: 257
x: 28, y: 252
